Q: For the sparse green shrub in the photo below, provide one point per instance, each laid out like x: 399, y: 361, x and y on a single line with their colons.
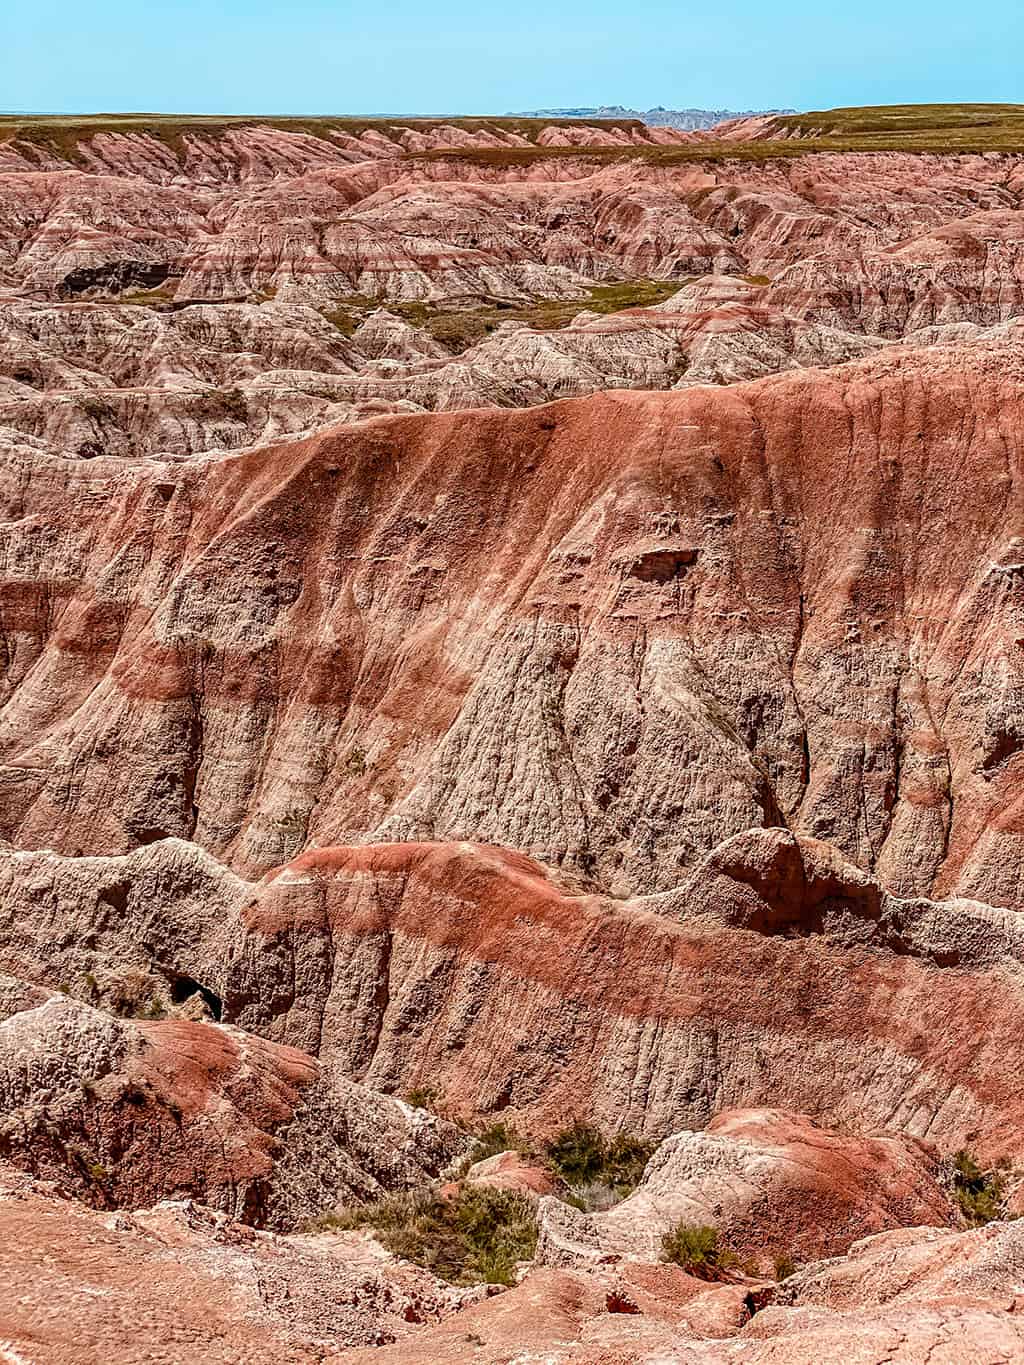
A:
x: 96, y: 409
x: 497, y: 1137
x: 97, y: 1172
x: 697, y: 1250
x: 577, y: 1154
x: 476, y: 1237
x: 595, y: 1196
x: 979, y: 1193
x: 292, y: 821
x: 421, y: 1097
x: 132, y: 994
x: 784, y: 1266
x: 626, y: 1156
x: 228, y: 405
x: 593, y: 1165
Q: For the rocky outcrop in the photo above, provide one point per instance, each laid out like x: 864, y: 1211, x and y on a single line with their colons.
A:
x: 372, y: 725
x: 169, y: 297
x: 511, y: 1171
x: 123, y: 380
x: 124, y: 1112
x: 75, y: 1284
x: 807, y: 989
x: 775, y: 1187
x: 504, y: 987
x: 908, y: 1296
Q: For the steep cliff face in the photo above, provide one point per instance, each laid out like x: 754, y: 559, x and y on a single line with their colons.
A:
x: 791, y: 604
x: 777, y: 974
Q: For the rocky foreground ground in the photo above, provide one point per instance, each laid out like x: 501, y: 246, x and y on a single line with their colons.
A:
x: 404, y: 775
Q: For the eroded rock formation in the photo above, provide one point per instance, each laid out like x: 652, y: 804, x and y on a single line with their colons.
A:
x: 376, y: 732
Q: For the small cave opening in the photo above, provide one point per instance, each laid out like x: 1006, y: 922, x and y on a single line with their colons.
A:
x: 184, y: 988
x: 150, y: 836
x: 116, y: 897
x: 662, y: 566
x: 617, y: 1301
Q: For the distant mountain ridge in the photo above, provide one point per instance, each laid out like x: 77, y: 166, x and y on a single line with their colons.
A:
x: 687, y: 119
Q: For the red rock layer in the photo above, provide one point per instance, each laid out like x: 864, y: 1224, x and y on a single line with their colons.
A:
x: 777, y: 1188
x: 775, y: 976
x: 611, y: 633
x: 123, y: 1113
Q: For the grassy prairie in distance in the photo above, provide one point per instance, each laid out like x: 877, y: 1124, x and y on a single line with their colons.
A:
x: 924, y: 128
x: 63, y: 134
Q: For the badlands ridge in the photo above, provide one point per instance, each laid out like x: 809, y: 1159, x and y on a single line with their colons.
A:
x: 508, y: 623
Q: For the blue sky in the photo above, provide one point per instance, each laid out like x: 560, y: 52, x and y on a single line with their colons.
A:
x: 461, y: 56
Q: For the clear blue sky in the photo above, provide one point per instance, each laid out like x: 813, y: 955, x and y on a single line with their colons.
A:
x: 469, y: 56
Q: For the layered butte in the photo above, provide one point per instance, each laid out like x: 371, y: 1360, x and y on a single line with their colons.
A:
x: 610, y: 633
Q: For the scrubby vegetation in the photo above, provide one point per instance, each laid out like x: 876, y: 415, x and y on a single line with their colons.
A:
x: 160, y: 298
x: 356, y: 761
x: 421, y: 1097
x: 697, y: 1250
x: 228, y: 405
x: 477, y: 1236
x: 594, y: 1171
x: 597, y: 1171
x: 582, y: 1154
x: 498, y: 1137
x: 785, y: 1266
x: 95, y: 408
x: 457, y: 329
x: 980, y: 1194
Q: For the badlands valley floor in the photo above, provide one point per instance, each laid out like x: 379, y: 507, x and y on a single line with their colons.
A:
x: 511, y: 740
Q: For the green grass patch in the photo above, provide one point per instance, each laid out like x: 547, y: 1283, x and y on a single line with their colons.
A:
x: 457, y: 329
x: 980, y: 1194
x: 698, y: 1250
x: 908, y: 122
x: 159, y: 298
x: 476, y: 1237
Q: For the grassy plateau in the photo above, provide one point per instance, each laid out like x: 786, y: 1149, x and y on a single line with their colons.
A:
x: 922, y: 128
